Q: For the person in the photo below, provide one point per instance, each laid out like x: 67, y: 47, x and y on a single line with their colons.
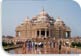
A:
x: 60, y: 46
x: 24, y: 48
x: 54, y: 44
x: 29, y: 45
x: 33, y: 44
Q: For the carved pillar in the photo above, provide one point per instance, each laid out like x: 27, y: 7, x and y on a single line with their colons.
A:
x: 45, y: 33
x: 39, y: 32
x: 17, y: 34
x: 35, y: 33
x: 49, y: 33
x: 68, y: 34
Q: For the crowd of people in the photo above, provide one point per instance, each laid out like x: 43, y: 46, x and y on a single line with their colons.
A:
x: 52, y: 44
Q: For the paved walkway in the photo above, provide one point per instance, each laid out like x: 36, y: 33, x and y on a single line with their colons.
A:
x: 64, y: 50
x: 47, y: 50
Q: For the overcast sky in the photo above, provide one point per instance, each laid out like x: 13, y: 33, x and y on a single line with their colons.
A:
x: 14, y: 13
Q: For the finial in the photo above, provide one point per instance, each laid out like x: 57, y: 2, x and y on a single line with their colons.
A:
x: 42, y: 8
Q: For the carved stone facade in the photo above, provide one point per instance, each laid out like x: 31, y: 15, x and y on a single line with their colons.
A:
x: 43, y: 26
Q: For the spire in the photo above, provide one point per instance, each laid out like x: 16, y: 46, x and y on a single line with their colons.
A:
x: 43, y: 12
x: 43, y: 9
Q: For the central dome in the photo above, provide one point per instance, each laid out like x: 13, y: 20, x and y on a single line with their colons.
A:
x: 42, y: 17
x: 43, y: 13
x: 58, y: 19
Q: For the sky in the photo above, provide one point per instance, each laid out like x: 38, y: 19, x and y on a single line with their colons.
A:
x: 15, y: 11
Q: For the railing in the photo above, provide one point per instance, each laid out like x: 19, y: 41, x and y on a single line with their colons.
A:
x: 12, y: 47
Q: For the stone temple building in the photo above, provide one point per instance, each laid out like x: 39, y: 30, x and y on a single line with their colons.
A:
x: 43, y: 26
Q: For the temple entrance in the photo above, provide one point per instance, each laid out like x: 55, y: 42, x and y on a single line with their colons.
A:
x: 43, y: 33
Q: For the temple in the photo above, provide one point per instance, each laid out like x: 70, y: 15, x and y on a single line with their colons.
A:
x: 43, y: 26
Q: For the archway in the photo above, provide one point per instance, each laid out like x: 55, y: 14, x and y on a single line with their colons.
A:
x: 67, y: 34
x: 37, y: 33
x: 43, y: 33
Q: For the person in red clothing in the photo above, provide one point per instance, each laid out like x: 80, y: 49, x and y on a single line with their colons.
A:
x: 24, y: 48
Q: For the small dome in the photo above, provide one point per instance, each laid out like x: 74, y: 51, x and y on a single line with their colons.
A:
x: 59, y: 22
x: 18, y: 26
x: 27, y: 19
x: 58, y: 19
x: 68, y: 28
x: 34, y: 17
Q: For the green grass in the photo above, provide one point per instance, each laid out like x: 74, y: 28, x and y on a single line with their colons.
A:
x: 79, y: 47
